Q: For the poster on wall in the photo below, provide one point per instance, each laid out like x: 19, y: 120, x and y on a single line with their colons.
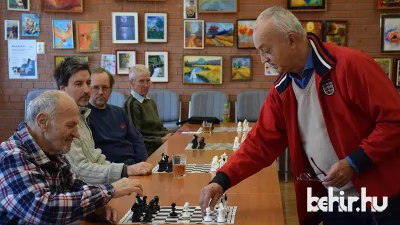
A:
x: 22, y: 60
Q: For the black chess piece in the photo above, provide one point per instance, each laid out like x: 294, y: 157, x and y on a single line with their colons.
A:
x: 195, y: 143
x: 173, y: 213
x: 144, y: 203
x: 202, y: 143
x: 169, y: 167
x: 156, y: 201
x: 149, y: 215
x: 162, y: 164
x: 152, y: 206
x: 137, y: 212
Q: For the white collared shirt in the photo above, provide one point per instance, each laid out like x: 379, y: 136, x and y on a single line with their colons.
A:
x: 138, y: 96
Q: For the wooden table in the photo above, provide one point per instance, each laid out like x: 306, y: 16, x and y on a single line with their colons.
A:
x: 258, y: 198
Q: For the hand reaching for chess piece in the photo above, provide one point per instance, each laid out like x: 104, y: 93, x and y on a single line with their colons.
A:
x: 140, y: 169
x: 127, y: 186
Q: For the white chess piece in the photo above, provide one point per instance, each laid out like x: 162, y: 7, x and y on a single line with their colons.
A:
x: 224, y: 157
x: 221, y: 163
x: 239, y: 127
x: 245, y: 126
x: 243, y: 137
x: 214, y: 164
x: 236, y: 144
x: 208, y: 218
x: 221, y: 214
x: 186, y: 213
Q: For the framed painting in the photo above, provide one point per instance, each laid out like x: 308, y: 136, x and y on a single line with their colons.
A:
x: 30, y: 25
x: 59, y: 59
x: 63, y: 37
x: 108, y: 63
x: 198, y: 69
x: 125, y: 60
x: 87, y: 36
x: 269, y: 70
x: 241, y: 68
x: 307, y: 5
x: 217, y: 6
x: 335, y: 32
x: 245, y: 29
x: 193, y: 34
x: 189, y: 9
x: 157, y: 63
x: 386, y: 63
x: 125, y: 28
x: 388, y: 4
x: 312, y: 26
x: 219, y: 35
x: 11, y: 29
x: 397, y: 78
x: 155, y: 27
x: 18, y: 5
x: 390, y: 33
x: 70, y: 6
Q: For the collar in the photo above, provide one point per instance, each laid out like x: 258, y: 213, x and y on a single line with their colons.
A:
x: 309, y: 62
x: 139, y: 97
x: 84, y: 111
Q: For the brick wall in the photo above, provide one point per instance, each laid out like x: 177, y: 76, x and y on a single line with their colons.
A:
x: 363, y: 34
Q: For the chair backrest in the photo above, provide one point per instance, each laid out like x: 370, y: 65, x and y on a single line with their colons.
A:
x: 168, y: 105
x: 248, y: 105
x: 208, y: 104
x: 116, y: 99
x: 32, y: 95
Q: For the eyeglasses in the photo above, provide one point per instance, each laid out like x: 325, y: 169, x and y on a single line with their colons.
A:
x: 143, y: 82
x: 309, y: 176
x: 103, y: 88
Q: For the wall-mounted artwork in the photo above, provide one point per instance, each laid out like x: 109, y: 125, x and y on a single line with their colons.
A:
x: 245, y: 33
x: 388, y: 4
x: 202, y: 69
x: 241, y: 68
x: 190, y: 9
x: 125, y: 27
x: 125, y: 60
x: 335, y: 32
x: 155, y: 27
x: 217, y: 6
x: 269, y: 70
x: 193, y: 34
x: 59, y: 59
x: 18, y: 5
x: 108, y: 63
x: 63, y: 34
x: 390, y: 33
x: 30, y: 25
x: 312, y: 26
x: 386, y: 63
x: 87, y: 36
x: 307, y: 5
x: 157, y: 63
x: 70, y: 6
x: 397, y: 78
x: 11, y: 29
x: 219, y: 34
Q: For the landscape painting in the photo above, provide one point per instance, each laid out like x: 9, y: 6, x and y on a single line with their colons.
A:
x: 241, y: 68
x: 269, y: 70
x: 193, y: 34
x: 63, y: 34
x: 386, y: 63
x: 307, y: 5
x: 70, y: 6
x: 311, y: 26
x: 219, y: 34
x: 157, y: 63
x: 59, y: 59
x: 125, y: 60
x: 388, y: 4
x: 217, y: 6
x: 336, y: 32
x: 202, y: 69
x: 156, y: 27
x: 245, y: 33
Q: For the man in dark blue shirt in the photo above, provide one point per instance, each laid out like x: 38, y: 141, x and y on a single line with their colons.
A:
x: 112, y: 132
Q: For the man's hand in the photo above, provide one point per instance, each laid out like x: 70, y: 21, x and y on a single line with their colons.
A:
x: 142, y: 168
x: 165, y: 138
x: 127, y: 186
x: 108, y: 213
x: 211, y: 192
x: 339, y: 174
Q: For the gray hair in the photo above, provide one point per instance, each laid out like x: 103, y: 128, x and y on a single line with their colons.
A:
x: 284, y: 20
x: 46, y: 102
x: 136, y: 70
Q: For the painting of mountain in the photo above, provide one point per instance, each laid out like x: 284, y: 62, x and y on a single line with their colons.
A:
x: 202, y: 69
x: 219, y: 34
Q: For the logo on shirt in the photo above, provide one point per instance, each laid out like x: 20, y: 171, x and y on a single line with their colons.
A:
x: 122, y: 126
x: 327, y: 86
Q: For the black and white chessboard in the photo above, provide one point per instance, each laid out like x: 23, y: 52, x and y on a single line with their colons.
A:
x: 222, y: 129
x: 163, y: 217
x: 191, y: 168
x: 213, y: 146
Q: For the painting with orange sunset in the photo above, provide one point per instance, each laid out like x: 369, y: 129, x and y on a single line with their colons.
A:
x: 245, y: 33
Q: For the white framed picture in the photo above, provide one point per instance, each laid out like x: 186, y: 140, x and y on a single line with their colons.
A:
x: 18, y: 5
x: 157, y: 63
x: 189, y: 9
x: 125, y: 60
x: 155, y: 27
x: 108, y: 63
x: 125, y: 28
x: 269, y: 71
x: 193, y: 34
x: 11, y: 29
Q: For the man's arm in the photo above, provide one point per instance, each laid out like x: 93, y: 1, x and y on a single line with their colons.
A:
x: 25, y: 194
x: 136, y: 139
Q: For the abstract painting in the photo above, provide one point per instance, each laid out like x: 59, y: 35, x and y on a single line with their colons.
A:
x: 312, y: 26
x: 125, y: 27
x: 193, y: 34
x: 390, y: 33
x: 125, y: 60
x: 157, y: 63
x: 388, y: 4
x: 217, y: 6
x: 269, y: 70
x: 70, y: 6
x: 398, y: 73
x: 245, y: 33
x: 59, y: 59
x: 18, y: 5
x: 241, y: 68
x: 202, y: 69
x: 63, y: 34
x: 11, y: 29
x: 155, y: 27
x: 87, y: 36
x: 386, y: 63
x: 335, y: 32
x: 307, y: 5
x: 219, y: 34
x: 30, y: 25
x: 108, y: 63
x: 190, y: 9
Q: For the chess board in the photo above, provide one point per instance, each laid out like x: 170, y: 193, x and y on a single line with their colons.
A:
x: 191, y: 168
x: 163, y: 217
x: 222, y: 129
x: 213, y: 146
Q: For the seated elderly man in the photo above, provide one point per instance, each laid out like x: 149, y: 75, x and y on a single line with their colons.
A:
x: 36, y: 183
x: 142, y: 110
x: 112, y: 131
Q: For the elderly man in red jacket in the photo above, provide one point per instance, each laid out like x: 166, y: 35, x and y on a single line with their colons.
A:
x: 338, y: 113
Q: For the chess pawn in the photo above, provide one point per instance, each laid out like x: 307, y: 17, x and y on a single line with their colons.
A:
x: 224, y: 157
x: 236, y: 144
x: 186, y: 213
x: 239, y: 127
x: 221, y: 163
x: 214, y: 164
x: 221, y: 214
x: 244, y: 137
x: 208, y: 218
